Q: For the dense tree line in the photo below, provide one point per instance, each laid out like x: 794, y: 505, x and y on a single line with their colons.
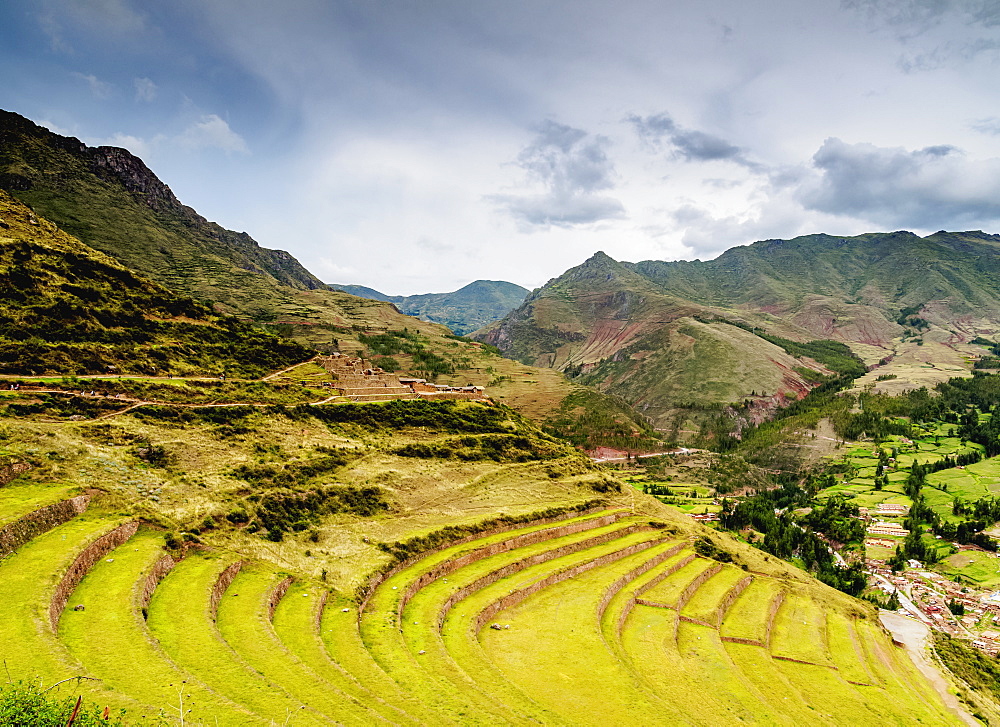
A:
x: 769, y: 513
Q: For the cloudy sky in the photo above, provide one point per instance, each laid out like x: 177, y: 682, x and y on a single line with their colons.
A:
x: 416, y: 145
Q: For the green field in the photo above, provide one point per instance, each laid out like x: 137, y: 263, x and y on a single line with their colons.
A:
x: 423, y: 653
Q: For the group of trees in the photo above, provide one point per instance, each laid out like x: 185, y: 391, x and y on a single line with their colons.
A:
x: 769, y: 513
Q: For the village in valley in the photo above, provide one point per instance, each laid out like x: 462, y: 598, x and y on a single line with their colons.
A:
x: 956, y: 590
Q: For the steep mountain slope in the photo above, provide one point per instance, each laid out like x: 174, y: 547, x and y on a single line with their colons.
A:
x: 111, y: 201
x: 364, y: 292
x: 612, y: 327
x: 68, y: 309
x: 667, y: 336
x: 463, y: 311
x: 849, y: 288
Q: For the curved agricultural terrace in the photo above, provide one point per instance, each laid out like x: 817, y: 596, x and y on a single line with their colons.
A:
x: 596, y: 618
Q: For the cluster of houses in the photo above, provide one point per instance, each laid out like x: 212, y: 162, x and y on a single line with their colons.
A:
x: 931, y: 593
x: 878, y: 529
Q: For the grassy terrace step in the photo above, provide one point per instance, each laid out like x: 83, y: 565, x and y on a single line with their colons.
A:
x: 428, y: 606
x: 893, y: 668
x: 109, y: 593
x: 458, y: 636
x: 27, y: 582
x: 799, y: 631
x: 385, y: 641
x: 16, y: 501
x: 342, y: 640
x: 244, y: 622
x: 846, y: 651
x: 832, y: 691
x: 623, y: 594
x: 750, y: 614
x: 829, y: 694
x: 433, y: 676
x: 669, y: 590
x: 705, y: 603
x: 181, y: 619
x: 437, y: 564
x: 554, y: 653
x: 296, y: 623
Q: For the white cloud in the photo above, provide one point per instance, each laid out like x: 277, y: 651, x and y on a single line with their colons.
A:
x: 931, y: 188
x: 569, y: 166
x: 100, y: 89
x: 211, y: 132
x: 145, y: 89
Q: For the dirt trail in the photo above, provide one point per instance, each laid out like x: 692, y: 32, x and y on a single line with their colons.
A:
x: 914, y: 635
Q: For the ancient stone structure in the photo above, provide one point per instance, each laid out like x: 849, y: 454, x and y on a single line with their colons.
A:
x: 356, y: 380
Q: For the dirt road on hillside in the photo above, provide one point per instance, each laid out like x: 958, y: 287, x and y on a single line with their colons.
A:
x: 914, y: 635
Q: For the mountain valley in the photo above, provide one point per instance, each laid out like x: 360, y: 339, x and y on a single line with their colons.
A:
x: 686, y: 492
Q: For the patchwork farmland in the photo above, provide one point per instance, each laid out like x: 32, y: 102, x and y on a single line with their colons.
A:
x: 574, y: 619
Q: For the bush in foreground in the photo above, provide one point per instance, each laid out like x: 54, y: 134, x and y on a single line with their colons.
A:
x: 27, y: 705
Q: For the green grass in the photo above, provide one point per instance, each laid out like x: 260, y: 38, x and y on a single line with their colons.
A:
x: 800, y: 630
x: 180, y: 619
x: 619, y: 602
x: 845, y: 649
x: 111, y: 626
x: 977, y: 566
x: 541, y: 654
x: 295, y: 623
x: 28, y: 647
x: 342, y: 641
x: 244, y: 623
x: 704, y: 604
x: 426, y: 606
x: 16, y: 501
x: 747, y: 617
x: 669, y: 590
x: 433, y: 672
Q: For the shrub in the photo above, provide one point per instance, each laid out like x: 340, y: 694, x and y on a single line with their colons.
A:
x: 26, y: 705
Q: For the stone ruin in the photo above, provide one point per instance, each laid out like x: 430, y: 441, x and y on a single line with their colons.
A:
x: 355, y: 379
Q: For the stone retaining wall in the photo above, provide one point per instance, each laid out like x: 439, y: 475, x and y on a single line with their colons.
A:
x: 520, y: 595
x: 221, y: 584
x: 615, y: 588
x: 730, y: 598
x: 158, y: 572
x: 655, y: 581
x: 772, y: 614
x: 695, y: 584
x: 524, y: 563
x: 377, y: 578
x: 276, y: 595
x: 19, y: 532
x: 86, y: 560
x: 504, y: 546
x: 11, y: 471
x: 320, y: 608
x: 697, y: 621
x: 803, y: 661
x: 741, y: 640
x: 467, y: 395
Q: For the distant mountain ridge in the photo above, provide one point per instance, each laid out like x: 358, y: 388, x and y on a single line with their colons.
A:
x: 670, y: 335
x: 465, y: 310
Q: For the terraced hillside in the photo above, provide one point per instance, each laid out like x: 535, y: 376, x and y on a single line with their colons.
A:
x: 577, y: 618
x: 89, y: 304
